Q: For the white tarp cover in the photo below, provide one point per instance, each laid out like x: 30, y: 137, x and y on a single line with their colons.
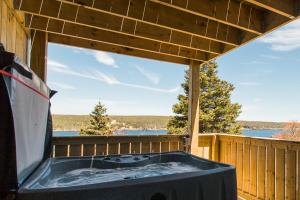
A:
x: 30, y: 111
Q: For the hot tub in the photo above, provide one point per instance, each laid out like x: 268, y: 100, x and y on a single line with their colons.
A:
x: 175, y: 175
x: 28, y: 172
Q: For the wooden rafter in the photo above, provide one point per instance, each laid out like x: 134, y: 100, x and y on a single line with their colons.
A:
x: 78, y: 31
x: 147, y: 12
x: 104, y: 21
x: 195, y: 30
x: 231, y: 12
x: 286, y: 8
x: 95, y: 45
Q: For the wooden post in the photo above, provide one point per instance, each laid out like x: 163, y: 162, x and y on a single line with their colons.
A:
x: 193, y: 118
x: 215, y: 148
x: 38, y: 58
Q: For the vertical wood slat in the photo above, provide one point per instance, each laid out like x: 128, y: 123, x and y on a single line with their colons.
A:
x: 233, y: 153
x: 155, y: 147
x: 135, y: 148
x: 298, y: 176
x: 246, y: 172
x: 291, y: 168
x: 222, y: 151
x: 146, y: 147
x: 75, y: 150
x: 253, y: 170
x: 1, y: 17
x: 12, y: 31
x: 61, y: 150
x: 9, y: 26
x: 280, y: 174
x: 88, y: 149
x: 165, y: 146
x: 101, y: 149
x: 174, y: 146
x: 239, y: 166
x: 215, y: 145
x: 270, y: 172
x: 4, y: 19
x: 261, y: 174
x: 113, y: 148
x: 124, y: 148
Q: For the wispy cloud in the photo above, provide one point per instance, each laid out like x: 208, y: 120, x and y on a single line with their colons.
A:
x: 95, y: 74
x: 56, y: 66
x: 248, y: 108
x: 100, y: 56
x: 105, y: 58
x: 173, y: 90
x: 257, y: 100
x: 249, y: 83
x: 61, y: 86
x: 272, y: 57
x: 154, y: 78
x: 284, y: 39
x: 254, y: 62
x: 106, y: 78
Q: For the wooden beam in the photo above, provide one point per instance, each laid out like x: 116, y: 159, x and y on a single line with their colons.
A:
x: 89, y: 17
x: 38, y: 57
x: 85, y: 32
x: 193, y: 112
x: 96, y: 45
x: 233, y: 13
x: 153, y: 14
x: 229, y: 12
x: 286, y: 8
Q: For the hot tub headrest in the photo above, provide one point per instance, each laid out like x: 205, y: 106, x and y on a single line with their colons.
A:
x: 24, y: 112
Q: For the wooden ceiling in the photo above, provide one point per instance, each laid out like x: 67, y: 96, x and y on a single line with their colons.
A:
x: 169, y: 30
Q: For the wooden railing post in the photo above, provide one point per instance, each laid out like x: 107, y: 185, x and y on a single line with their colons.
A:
x: 38, y: 57
x: 215, y: 147
x: 193, y: 115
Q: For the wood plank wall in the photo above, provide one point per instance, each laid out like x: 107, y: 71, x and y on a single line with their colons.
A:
x: 13, y: 35
x: 266, y: 168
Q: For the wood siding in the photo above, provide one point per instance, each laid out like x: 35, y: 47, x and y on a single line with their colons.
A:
x: 12, y: 32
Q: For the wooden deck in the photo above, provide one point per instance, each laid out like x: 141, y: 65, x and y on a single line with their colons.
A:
x: 266, y: 168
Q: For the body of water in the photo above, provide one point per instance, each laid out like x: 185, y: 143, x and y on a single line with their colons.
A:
x: 246, y: 132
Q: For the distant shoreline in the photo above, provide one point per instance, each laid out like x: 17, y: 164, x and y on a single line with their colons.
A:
x: 64, y: 130
x: 127, y: 129
x: 76, y: 122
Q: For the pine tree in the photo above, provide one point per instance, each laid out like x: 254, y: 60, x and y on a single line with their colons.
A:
x: 99, y: 122
x: 217, y: 113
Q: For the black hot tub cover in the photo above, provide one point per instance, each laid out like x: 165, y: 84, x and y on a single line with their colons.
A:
x: 24, y: 112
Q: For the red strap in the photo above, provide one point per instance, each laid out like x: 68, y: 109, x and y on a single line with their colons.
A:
x: 23, y: 83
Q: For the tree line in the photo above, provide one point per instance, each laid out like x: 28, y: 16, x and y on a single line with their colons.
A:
x: 217, y: 113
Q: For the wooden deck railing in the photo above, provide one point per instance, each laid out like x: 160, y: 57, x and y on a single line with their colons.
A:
x: 266, y: 168
x: 106, y: 145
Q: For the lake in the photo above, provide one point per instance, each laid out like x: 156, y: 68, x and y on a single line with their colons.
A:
x: 247, y: 132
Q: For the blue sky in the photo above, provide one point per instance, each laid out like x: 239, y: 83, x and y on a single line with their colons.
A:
x: 265, y: 73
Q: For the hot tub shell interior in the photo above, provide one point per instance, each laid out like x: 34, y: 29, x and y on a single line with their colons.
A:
x: 211, y: 180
